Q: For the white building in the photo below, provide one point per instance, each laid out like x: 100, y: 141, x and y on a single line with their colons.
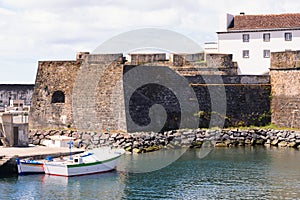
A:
x: 210, y: 47
x: 251, y: 38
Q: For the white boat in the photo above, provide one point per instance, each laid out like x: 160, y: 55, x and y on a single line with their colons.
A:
x: 28, y: 166
x: 91, y: 162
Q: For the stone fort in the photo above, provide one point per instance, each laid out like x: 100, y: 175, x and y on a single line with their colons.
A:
x: 285, y: 80
x: 94, y: 92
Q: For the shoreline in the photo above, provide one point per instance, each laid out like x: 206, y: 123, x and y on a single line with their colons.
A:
x: 142, y: 142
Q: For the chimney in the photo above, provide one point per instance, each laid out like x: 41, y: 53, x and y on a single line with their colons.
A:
x: 80, y: 55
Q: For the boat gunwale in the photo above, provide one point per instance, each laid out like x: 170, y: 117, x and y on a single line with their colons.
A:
x: 74, y: 165
x: 32, y: 164
x: 81, y: 174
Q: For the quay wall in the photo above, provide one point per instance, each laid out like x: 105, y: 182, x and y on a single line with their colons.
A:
x: 140, y: 142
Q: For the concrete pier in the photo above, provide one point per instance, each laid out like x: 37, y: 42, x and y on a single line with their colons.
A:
x: 8, y: 155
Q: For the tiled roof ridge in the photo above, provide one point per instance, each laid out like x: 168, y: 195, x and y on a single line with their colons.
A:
x: 265, y: 21
x: 273, y: 14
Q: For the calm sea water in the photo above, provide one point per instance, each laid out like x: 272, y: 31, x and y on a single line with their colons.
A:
x: 223, y: 173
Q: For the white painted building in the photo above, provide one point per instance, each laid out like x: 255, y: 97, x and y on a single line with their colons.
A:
x: 251, y: 38
x: 211, y: 47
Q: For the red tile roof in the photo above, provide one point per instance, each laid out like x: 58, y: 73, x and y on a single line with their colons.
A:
x: 274, y: 21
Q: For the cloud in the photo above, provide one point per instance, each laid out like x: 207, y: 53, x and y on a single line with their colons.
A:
x: 35, y: 30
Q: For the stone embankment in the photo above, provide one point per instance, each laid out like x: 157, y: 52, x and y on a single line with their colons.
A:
x: 150, y: 141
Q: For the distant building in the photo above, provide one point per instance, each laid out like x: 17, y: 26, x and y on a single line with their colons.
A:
x: 15, y: 101
x: 17, y: 105
x: 16, y: 92
x: 13, y: 129
x: 252, y: 38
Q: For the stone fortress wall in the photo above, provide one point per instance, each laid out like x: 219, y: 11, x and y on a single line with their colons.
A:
x: 189, y: 64
x: 247, y: 99
x: 51, y: 100
x: 285, y: 80
x: 98, y: 98
x: 90, y: 93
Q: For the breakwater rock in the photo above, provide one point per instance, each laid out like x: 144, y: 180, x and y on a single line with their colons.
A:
x: 149, y: 141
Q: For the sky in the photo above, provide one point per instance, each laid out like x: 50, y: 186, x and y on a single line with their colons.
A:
x: 37, y: 30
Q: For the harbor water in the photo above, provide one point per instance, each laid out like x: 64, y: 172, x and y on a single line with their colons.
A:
x: 219, y: 173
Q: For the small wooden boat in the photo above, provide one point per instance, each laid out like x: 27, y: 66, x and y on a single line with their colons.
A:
x: 29, y: 166
x: 91, y: 162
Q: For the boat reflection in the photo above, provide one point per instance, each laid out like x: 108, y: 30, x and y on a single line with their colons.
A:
x: 108, y: 185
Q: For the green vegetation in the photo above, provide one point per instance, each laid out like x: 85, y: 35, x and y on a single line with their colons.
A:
x: 269, y: 126
x: 260, y: 121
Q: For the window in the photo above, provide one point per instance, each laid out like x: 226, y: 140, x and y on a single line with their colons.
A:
x: 266, y: 37
x: 245, y: 53
x: 58, y: 97
x: 288, y: 36
x: 246, y: 37
x: 266, y: 53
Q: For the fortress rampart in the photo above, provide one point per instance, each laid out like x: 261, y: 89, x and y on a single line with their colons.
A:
x: 285, y: 80
x: 91, y: 93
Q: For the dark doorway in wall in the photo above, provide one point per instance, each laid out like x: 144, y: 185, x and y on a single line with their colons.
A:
x: 16, y: 135
x: 58, y: 97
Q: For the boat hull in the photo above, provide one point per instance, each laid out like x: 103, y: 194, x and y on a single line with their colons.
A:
x: 62, y: 169
x: 29, y: 167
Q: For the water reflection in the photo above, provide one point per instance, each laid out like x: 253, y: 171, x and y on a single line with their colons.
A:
x: 99, y: 186
x: 237, y: 173
x: 284, y: 173
x: 224, y: 173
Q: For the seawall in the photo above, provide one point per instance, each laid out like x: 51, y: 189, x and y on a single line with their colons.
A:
x: 149, y: 141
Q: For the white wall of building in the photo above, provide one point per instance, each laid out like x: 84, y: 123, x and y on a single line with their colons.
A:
x: 232, y: 43
x: 211, y: 47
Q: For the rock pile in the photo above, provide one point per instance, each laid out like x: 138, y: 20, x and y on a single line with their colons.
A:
x: 149, y: 141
